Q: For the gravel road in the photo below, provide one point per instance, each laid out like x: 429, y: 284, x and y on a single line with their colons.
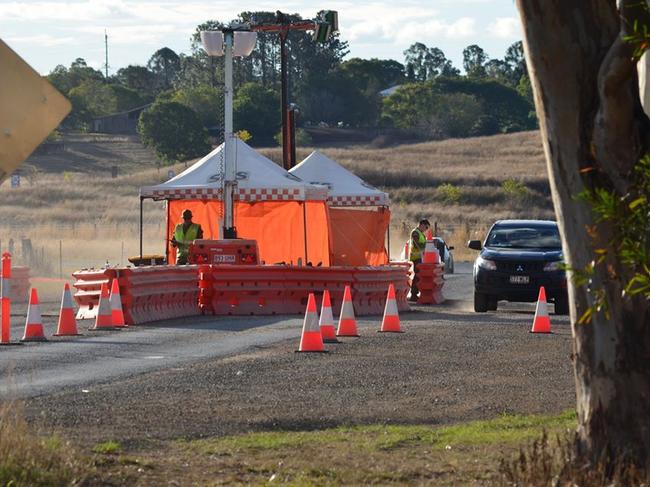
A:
x: 451, y: 365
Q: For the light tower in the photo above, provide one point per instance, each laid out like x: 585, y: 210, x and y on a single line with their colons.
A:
x: 228, y: 42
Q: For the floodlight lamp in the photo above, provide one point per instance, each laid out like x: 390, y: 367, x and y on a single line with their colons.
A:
x: 212, y: 41
x: 243, y: 43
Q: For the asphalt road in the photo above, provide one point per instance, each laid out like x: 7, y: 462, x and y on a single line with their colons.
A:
x: 100, y: 357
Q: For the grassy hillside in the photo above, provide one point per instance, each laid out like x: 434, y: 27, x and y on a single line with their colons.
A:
x: 462, y: 184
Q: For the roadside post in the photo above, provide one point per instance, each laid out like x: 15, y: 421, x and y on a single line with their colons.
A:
x: 5, y: 275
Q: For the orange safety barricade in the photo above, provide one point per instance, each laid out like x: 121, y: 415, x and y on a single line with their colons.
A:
x: 153, y: 293
x: 300, y: 281
x: 88, y: 284
x: 430, y: 283
x: 248, y: 290
x: 19, y: 284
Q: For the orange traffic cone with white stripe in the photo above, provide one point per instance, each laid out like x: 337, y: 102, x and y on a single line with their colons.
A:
x: 311, y: 339
x: 117, y: 315
x: 390, y: 322
x: 347, y: 321
x: 542, y: 322
x: 326, y: 322
x: 34, y: 322
x: 67, y: 324
x: 104, y: 320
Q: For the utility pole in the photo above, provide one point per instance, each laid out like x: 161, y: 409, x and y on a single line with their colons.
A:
x: 106, y: 51
x: 323, y: 28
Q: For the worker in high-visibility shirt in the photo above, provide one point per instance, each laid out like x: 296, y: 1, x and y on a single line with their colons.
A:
x: 417, y: 244
x: 184, y: 234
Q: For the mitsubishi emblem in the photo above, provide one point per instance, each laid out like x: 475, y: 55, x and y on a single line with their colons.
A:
x: 520, y: 268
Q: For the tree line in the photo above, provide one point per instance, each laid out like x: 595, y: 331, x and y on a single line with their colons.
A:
x: 432, y: 100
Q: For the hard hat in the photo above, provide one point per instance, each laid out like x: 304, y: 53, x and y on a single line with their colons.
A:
x: 187, y: 214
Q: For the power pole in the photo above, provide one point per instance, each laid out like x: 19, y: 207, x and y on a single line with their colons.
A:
x: 106, y: 51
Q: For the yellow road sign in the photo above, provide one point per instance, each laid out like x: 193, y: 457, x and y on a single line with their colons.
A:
x: 30, y: 108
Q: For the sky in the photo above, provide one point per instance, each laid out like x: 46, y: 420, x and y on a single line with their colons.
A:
x: 50, y: 32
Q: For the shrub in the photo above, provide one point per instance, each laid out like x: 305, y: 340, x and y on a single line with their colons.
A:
x: 244, y: 135
x: 515, y: 189
x: 449, y: 193
x: 174, y: 131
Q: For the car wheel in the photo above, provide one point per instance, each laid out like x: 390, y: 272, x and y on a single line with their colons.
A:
x: 451, y: 264
x: 493, y: 303
x: 561, y: 306
x: 480, y: 302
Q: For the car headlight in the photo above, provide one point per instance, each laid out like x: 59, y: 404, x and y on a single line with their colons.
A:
x: 486, y: 264
x: 553, y: 266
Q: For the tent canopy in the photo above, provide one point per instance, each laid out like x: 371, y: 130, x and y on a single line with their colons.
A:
x: 345, y: 188
x: 258, y: 179
x: 288, y: 217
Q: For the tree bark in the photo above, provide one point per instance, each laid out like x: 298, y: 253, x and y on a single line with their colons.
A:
x: 594, y: 132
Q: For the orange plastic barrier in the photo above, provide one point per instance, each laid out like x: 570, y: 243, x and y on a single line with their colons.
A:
x: 155, y: 293
x: 248, y: 290
x: 19, y: 284
x: 430, y: 284
x: 371, y: 285
x: 88, y: 284
x: 300, y: 281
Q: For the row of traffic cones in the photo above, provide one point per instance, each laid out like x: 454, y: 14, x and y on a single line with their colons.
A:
x: 315, y: 332
x: 109, y: 314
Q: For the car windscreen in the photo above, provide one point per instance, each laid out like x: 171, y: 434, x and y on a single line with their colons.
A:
x: 525, y: 237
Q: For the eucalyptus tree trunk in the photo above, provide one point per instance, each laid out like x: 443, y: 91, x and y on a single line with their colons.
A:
x: 594, y: 131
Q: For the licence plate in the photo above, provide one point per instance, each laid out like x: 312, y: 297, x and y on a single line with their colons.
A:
x: 224, y: 259
x: 519, y: 279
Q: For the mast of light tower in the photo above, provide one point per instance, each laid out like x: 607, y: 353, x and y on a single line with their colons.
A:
x: 228, y: 42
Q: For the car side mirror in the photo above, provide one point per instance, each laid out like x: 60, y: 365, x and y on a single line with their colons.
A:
x: 451, y: 248
x: 474, y: 244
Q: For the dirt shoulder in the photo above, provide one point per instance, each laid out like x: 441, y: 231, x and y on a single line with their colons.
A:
x: 450, y: 366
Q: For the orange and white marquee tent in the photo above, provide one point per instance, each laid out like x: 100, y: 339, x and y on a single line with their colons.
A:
x: 288, y: 217
x: 359, y: 213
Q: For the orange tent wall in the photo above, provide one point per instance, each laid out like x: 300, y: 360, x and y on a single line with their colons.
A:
x: 358, y: 236
x: 276, y: 225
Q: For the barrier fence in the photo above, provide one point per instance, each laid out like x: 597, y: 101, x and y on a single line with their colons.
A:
x: 152, y: 293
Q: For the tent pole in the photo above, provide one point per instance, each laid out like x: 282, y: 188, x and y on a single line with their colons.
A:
x: 388, y: 236
x: 304, y: 226
x: 141, y: 219
x: 167, y: 232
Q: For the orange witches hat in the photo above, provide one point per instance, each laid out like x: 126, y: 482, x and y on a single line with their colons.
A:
x: 391, y: 323
x: 542, y: 322
x: 117, y: 315
x: 34, y: 323
x: 104, y: 320
x: 326, y: 322
x: 311, y: 340
x: 67, y: 324
x: 347, y: 321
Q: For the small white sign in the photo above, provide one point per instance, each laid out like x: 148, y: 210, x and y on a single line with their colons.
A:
x: 15, y: 181
x: 170, y: 173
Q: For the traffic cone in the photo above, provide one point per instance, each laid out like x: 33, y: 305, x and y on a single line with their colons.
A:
x: 34, y: 323
x: 117, y: 315
x: 326, y: 322
x: 67, y: 324
x: 542, y: 322
x: 311, y: 339
x: 347, y: 321
x: 391, y: 323
x: 104, y: 320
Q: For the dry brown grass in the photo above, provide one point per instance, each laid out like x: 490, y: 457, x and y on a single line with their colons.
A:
x: 95, y: 216
x: 29, y: 460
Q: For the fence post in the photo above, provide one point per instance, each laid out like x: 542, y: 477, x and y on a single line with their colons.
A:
x: 60, y: 260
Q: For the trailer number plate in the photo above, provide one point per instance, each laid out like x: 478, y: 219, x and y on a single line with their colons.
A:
x: 224, y: 259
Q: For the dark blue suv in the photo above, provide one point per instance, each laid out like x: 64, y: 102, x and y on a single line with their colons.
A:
x: 518, y: 257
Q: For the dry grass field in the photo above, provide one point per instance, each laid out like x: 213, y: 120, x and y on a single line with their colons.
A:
x: 80, y: 213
